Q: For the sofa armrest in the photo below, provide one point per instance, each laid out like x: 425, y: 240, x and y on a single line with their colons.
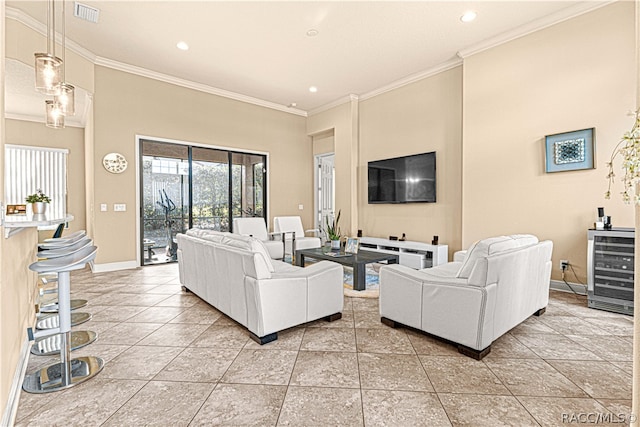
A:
x: 458, y: 256
x: 315, y: 231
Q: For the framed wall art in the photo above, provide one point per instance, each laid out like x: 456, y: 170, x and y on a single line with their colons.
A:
x: 570, y: 151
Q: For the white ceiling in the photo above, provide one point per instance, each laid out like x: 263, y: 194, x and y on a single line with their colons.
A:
x: 260, y: 49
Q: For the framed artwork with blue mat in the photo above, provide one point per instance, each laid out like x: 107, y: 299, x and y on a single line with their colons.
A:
x: 570, y: 151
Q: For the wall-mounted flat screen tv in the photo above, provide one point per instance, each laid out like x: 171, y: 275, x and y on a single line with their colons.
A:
x: 407, y: 179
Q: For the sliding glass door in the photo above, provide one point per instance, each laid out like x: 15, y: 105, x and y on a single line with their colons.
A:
x: 186, y: 187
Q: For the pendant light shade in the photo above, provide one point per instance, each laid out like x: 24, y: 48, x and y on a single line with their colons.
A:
x: 48, y: 73
x: 55, y: 118
x: 66, y: 99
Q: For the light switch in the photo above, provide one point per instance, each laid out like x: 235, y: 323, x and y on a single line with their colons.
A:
x: 119, y: 207
x: 300, y: 207
x: 103, y: 207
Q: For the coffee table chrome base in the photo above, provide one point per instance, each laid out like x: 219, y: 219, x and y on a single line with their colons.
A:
x: 53, y: 308
x: 50, y: 378
x: 53, y: 320
x: 53, y: 344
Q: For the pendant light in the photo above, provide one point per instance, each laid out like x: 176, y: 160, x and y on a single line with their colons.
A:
x: 55, y: 118
x: 66, y: 97
x: 48, y: 65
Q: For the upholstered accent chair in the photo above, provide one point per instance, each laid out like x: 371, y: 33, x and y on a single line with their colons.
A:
x: 257, y: 227
x: 294, y: 233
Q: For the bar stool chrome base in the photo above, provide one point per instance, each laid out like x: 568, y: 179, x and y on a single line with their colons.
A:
x: 53, y: 308
x: 49, y: 379
x: 53, y: 343
x: 53, y: 320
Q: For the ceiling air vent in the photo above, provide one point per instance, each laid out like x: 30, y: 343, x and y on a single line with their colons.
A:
x: 85, y: 12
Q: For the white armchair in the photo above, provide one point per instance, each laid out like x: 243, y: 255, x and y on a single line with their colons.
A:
x: 291, y: 227
x: 256, y: 227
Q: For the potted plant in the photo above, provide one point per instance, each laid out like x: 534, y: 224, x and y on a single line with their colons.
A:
x: 332, y: 231
x: 39, y: 201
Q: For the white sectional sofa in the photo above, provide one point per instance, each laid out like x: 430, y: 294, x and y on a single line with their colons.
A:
x: 236, y: 275
x: 485, y: 292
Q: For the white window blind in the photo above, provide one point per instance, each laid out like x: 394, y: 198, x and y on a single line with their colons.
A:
x: 28, y: 169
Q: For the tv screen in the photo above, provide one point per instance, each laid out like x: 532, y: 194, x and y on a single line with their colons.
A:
x: 408, y: 179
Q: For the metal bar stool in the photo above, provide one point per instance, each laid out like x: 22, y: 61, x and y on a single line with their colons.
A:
x: 52, y: 344
x: 61, y: 244
x: 68, y: 372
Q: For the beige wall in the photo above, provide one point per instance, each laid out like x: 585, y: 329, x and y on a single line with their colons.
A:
x: 340, y: 121
x: 37, y: 134
x: 574, y: 75
x: 421, y: 117
x: 126, y: 105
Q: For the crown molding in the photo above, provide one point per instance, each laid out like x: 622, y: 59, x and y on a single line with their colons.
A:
x: 532, y: 27
x: 41, y: 28
x: 445, y: 66
x: 132, y: 69
x: 332, y: 104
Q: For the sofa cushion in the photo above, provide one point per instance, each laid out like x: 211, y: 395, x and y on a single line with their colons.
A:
x: 250, y: 244
x: 491, y: 246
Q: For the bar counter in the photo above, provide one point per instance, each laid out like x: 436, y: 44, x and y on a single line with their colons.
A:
x: 15, y: 223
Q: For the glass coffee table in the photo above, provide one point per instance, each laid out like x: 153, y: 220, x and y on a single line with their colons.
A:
x: 356, y: 261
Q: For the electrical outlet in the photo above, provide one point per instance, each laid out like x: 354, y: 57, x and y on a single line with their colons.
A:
x: 564, y: 264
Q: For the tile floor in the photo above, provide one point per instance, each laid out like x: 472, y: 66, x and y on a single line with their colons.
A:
x: 172, y: 360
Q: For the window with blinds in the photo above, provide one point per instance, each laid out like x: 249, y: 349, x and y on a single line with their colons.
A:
x: 28, y: 169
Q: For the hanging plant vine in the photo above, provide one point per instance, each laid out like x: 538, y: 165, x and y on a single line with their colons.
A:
x: 629, y: 149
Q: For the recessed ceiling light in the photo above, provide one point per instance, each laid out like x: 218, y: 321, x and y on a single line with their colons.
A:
x: 468, y: 16
x: 313, y: 89
x: 312, y: 32
x: 182, y: 46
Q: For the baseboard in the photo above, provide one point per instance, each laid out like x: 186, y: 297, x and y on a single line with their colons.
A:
x: 114, y: 266
x: 559, y: 285
x: 10, y: 411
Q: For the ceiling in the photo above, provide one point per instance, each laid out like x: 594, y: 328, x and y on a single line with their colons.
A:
x: 260, y: 50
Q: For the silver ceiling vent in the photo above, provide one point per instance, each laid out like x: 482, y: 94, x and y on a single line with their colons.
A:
x: 87, y: 13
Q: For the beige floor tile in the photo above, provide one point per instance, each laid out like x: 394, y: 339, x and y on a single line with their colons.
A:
x: 117, y: 314
x: 485, y: 410
x: 329, y: 339
x: 175, y: 335
x: 532, y: 325
x: 554, y: 411
x: 179, y: 300
x: 289, y: 339
x: 365, y: 304
x: 270, y: 367
x: 621, y: 325
x: 241, y: 405
x: 571, y: 325
x: 222, y: 337
x: 202, y: 314
x: 167, y: 289
x: 387, y: 340
x: 455, y: 375
x: 96, y: 400
x: 533, y: 377
x: 157, y: 315
x: 403, y: 408
x: 316, y: 406
x: 346, y: 321
x: 106, y: 352
x: 609, y: 347
x: 392, y: 372
x: 625, y: 366
x: 432, y: 346
x: 599, y: 379
x: 97, y: 327
x: 128, y: 333
x: 198, y: 365
x: 555, y: 346
x: 140, y: 362
x: 326, y: 369
x: 507, y: 346
x: 368, y: 320
x: 143, y: 299
x: 162, y: 403
x: 621, y: 408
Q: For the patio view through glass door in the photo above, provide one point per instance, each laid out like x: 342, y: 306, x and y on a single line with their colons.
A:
x: 186, y: 187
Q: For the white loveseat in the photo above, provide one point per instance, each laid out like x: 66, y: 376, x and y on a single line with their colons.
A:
x: 236, y: 275
x: 498, y: 283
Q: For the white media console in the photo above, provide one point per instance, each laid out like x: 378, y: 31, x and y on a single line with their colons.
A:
x: 412, y: 254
